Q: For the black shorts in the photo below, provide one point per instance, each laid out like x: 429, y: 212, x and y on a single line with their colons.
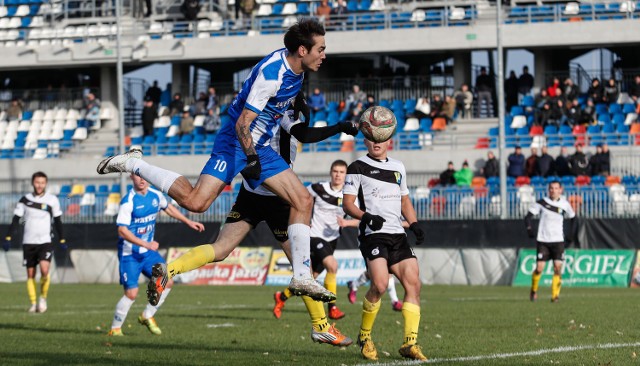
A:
x: 321, y: 249
x: 254, y: 208
x: 546, y: 251
x: 34, y: 253
x: 393, y: 247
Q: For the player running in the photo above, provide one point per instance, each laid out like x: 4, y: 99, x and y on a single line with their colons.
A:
x: 244, y: 146
x: 326, y: 223
x: 380, y: 184
x: 38, y: 209
x: 137, y: 249
x: 255, y: 205
x: 550, y: 238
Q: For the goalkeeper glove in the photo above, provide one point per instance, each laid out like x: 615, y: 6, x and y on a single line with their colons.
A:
x: 374, y: 222
x: 63, y: 244
x: 300, y: 106
x: 253, y: 168
x: 417, y: 231
x: 350, y: 128
x: 530, y: 232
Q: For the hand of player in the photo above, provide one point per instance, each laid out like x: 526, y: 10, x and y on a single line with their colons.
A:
x: 417, y: 231
x: 350, y: 128
x: 300, y: 106
x: 530, y: 232
x: 153, y: 245
x: 6, y: 244
x: 63, y: 244
x: 253, y: 168
x: 374, y: 222
x: 196, y: 226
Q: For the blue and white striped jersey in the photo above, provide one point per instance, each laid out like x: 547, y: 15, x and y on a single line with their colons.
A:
x: 268, y: 91
x: 138, y: 213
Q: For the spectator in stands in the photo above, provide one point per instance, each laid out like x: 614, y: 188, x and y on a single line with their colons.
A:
x: 588, y: 114
x: 463, y: 176
x: 191, y: 8
x: 570, y: 90
x: 558, y: 114
x: 317, y: 101
x: 149, y: 115
x: 200, y: 107
x: 186, y: 123
x: 542, y: 98
x: 553, y: 87
x: 561, y: 164
x: 436, y: 106
x: 634, y: 90
x: 511, y: 90
x: 578, y: 162
x: 525, y: 82
x: 154, y: 93
x: 177, y: 105
x: 573, y: 112
x: 484, y: 89
x: 491, y: 167
x: 14, y: 112
x: 212, y: 99
x: 606, y: 160
x: 545, y: 163
x: 211, y: 122
x: 531, y: 164
x: 463, y: 98
x: 516, y: 163
x: 323, y: 11
x: 356, y: 96
x: 50, y: 94
x: 149, y: 8
x: 449, y: 109
x: 611, y: 91
x: 596, y: 91
x: 447, y: 177
x: 371, y: 101
x: 356, y: 111
x: 595, y: 165
x: 340, y: 8
x: 92, y: 106
x: 423, y: 108
x: 543, y: 115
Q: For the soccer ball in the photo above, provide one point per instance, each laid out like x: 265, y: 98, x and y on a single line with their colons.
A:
x: 378, y: 124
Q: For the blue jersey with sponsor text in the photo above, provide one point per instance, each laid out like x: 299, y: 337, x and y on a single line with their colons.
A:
x: 138, y: 213
x: 268, y: 91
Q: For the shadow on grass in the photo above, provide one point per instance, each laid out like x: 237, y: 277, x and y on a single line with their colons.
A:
x: 44, y: 329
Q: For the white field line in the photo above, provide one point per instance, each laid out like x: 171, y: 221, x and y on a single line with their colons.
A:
x: 495, y: 356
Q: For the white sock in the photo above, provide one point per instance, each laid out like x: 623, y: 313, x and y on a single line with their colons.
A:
x: 391, y: 290
x: 299, y: 234
x: 150, y: 310
x: 160, y: 178
x: 362, y: 279
x: 122, y: 308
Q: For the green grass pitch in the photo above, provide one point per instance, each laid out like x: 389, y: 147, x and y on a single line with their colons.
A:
x: 234, y: 326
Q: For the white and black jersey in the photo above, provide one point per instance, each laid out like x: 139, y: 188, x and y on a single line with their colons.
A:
x: 379, y: 187
x: 282, y: 143
x: 552, y: 214
x: 37, y: 213
x: 327, y: 207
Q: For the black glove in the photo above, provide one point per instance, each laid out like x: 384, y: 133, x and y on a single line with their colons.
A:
x: 253, y: 168
x: 300, y: 106
x: 530, y: 232
x: 63, y: 244
x: 417, y: 231
x: 6, y: 244
x: 350, y: 128
x: 374, y: 222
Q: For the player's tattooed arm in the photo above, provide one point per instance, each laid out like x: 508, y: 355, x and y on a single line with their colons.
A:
x: 244, y: 133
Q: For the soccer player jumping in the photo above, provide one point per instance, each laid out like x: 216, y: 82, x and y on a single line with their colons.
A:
x: 243, y: 147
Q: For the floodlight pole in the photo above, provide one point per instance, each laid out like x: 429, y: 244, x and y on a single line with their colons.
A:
x: 120, y: 86
x: 502, y: 146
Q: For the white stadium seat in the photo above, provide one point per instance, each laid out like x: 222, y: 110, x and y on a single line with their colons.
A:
x: 22, y: 11
x: 572, y: 8
x: 35, y: 33
x: 44, y: 42
x: 15, y: 23
x: 265, y: 10
x: 40, y: 153
x: 173, y: 130
x: 24, y: 125
x: 518, y: 122
x: 61, y: 114
x: 198, y: 121
x: 418, y: 16
x: 204, y: 24
x: 80, y: 134
x: 71, y: 124
x: 412, y: 124
x: 38, y: 115
x: 36, y: 22
x: 289, y: 9
x: 456, y: 13
x: 3, y: 11
x: 204, y: 35
x: 4, y: 23
x: 346, y: 137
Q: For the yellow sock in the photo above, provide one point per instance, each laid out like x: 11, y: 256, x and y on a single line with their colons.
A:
x: 31, y: 289
x: 535, y: 280
x: 411, y: 315
x: 44, y: 286
x: 369, y: 312
x: 331, y: 284
x: 193, y: 259
x: 287, y: 293
x: 316, y: 313
x: 556, y: 282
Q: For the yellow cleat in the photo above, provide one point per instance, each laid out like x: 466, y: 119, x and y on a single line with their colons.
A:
x: 115, y: 332
x: 368, y: 349
x: 150, y: 324
x: 412, y: 351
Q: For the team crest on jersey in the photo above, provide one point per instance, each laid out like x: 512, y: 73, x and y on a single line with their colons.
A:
x: 154, y: 202
x: 340, y: 202
x: 44, y: 206
x: 398, y: 177
x: 319, y: 246
x: 375, y: 251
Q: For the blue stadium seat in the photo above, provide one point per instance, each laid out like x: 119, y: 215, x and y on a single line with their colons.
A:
x: 615, y: 108
x: 598, y: 180
x: 517, y: 110
x: 628, y: 108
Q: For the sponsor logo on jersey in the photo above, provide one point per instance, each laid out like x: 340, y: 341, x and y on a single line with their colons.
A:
x: 233, y: 215
x: 285, y: 103
x: 307, y: 263
x: 279, y: 232
x: 374, y: 172
x: 140, y: 220
x: 154, y: 202
x: 348, y: 183
x: 139, y: 207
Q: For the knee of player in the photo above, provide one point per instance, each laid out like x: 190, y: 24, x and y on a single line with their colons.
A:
x: 379, y: 287
x: 170, y: 283
x: 304, y: 202
x: 195, y: 206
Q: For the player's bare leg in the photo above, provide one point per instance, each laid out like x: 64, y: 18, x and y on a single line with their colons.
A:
x: 289, y: 187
